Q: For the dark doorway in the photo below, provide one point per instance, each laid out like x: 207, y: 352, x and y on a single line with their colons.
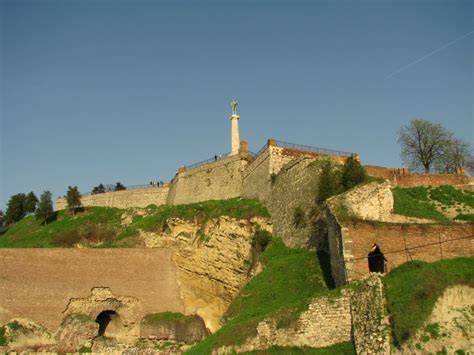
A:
x: 376, y: 260
x: 104, y: 319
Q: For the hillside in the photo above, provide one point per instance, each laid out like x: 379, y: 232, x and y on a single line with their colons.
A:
x: 112, y: 227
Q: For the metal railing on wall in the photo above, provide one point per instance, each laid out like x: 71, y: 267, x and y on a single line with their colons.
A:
x: 210, y: 160
x: 128, y: 187
x: 307, y: 148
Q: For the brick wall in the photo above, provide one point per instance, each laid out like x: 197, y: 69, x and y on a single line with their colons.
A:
x: 357, y: 240
x: 38, y: 284
x: 401, y: 177
x: 123, y: 199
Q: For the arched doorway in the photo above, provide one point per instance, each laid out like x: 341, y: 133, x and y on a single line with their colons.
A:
x: 376, y: 260
x: 105, y: 318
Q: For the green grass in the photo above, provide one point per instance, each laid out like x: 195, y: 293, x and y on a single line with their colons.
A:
x: 413, y: 288
x: 3, y: 340
x: 336, y: 349
x: 465, y: 217
x: 154, y: 317
x: 238, y: 208
x: 29, y: 233
x: 414, y: 202
x: 449, y: 196
x: 102, y: 225
x: 291, y: 277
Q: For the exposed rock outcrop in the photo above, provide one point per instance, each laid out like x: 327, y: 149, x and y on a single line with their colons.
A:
x: 214, y: 261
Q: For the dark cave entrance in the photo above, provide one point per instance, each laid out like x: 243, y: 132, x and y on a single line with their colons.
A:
x: 376, y: 260
x: 104, y: 318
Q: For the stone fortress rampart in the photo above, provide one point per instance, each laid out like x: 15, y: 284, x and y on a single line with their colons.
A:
x: 242, y: 174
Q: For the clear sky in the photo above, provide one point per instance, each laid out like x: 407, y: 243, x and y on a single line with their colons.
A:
x: 110, y: 90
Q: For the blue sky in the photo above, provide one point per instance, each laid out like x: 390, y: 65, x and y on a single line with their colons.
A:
x: 104, y: 91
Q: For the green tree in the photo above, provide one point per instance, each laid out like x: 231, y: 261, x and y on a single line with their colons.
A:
x: 30, y: 202
x: 327, y: 185
x: 119, y: 187
x: 353, y: 173
x: 2, y: 220
x: 15, y: 208
x: 73, y: 199
x: 423, y: 144
x: 99, y: 189
x: 45, y: 211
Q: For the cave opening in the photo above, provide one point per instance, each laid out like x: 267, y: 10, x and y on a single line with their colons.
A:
x: 377, y: 261
x: 104, y: 318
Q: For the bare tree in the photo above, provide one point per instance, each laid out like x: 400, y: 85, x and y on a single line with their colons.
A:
x: 423, y: 144
x: 458, y: 155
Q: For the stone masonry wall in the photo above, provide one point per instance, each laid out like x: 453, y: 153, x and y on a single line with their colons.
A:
x: 257, y: 180
x: 326, y: 322
x: 38, y: 284
x: 218, y: 180
x: 370, y: 323
x: 122, y: 199
x: 295, y: 187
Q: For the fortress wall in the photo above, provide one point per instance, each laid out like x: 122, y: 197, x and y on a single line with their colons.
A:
x: 357, y: 240
x: 217, y: 180
x: 37, y: 284
x: 123, y: 199
x: 402, y: 178
x: 294, y: 187
x: 257, y: 180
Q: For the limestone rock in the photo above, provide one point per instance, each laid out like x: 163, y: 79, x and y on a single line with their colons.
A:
x: 23, y: 335
x: 76, y: 331
x: 190, y: 329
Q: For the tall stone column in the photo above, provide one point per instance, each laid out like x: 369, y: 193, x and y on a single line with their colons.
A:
x: 235, y: 136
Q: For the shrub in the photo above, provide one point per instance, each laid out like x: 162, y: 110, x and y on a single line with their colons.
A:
x: 353, y: 173
x: 328, y: 182
x: 261, y: 239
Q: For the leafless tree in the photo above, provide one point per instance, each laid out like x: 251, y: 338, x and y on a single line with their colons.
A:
x: 423, y: 143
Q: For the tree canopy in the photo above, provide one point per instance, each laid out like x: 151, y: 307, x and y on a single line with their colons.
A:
x: 16, y: 208
x: 30, y: 202
x: 44, y: 211
x: 73, y: 198
x: 427, y: 146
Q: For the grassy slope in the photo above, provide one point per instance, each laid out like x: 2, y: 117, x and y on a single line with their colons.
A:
x: 413, y: 288
x: 418, y: 201
x: 291, y: 277
x: 28, y: 233
x: 338, y: 349
x: 155, y: 220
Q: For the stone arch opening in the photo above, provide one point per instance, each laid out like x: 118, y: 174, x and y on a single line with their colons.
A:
x: 376, y: 259
x: 108, y: 320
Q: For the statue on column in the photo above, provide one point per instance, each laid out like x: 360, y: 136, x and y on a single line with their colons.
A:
x: 234, y: 104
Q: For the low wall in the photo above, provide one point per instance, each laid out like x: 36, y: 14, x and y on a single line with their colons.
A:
x: 399, y: 243
x: 122, y: 199
x: 38, y: 284
x: 217, y: 180
x: 402, y: 178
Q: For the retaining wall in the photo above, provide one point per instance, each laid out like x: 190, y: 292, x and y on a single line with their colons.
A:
x: 123, y: 199
x: 38, y: 284
x: 350, y: 245
x: 219, y: 180
x: 401, y: 177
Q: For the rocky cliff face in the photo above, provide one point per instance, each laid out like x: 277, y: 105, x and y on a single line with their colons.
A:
x: 214, y: 261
